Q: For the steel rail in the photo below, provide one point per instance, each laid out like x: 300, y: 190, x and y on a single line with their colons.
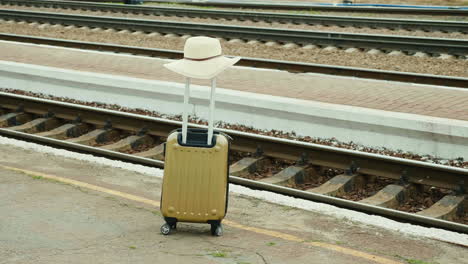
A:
x: 428, y: 25
x: 449, y: 81
x: 342, y: 40
x: 30, y: 105
x: 315, y: 7
x: 453, y: 11
x: 368, y: 163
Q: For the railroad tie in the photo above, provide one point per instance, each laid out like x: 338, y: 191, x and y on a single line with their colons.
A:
x: 235, y: 40
x: 153, y: 153
x: 95, y: 136
x: 37, y: 125
x: 66, y: 131
x: 310, y: 46
x: 14, y: 119
x: 246, y: 166
x: 170, y: 35
x: 391, y: 196
x: 290, y: 176
x: 396, y: 53
x: 290, y: 46
x: 421, y: 54
x: 129, y: 143
x: 339, y: 185
x: 450, y: 207
x: 154, y: 34
x: 271, y: 43
x: 330, y: 48
x: 253, y: 42
x: 351, y: 50
x: 445, y: 56
x: 374, y: 52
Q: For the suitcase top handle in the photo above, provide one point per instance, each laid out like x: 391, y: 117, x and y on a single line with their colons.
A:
x: 196, y: 138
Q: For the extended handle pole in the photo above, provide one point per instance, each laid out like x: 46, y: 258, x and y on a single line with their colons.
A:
x: 186, y: 108
x: 212, y: 106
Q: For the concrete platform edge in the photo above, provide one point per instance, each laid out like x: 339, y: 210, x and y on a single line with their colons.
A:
x: 441, y: 137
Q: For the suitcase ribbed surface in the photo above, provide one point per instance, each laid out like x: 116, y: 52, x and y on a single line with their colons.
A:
x: 195, y: 181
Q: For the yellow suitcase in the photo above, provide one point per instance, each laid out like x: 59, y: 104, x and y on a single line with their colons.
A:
x: 195, y: 183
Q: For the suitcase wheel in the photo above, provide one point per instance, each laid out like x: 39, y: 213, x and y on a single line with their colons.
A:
x: 216, y: 229
x: 165, y: 229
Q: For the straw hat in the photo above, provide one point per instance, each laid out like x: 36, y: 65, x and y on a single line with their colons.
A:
x: 203, y: 59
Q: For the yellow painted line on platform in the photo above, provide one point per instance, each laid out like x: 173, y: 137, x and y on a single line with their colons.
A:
x: 84, y: 185
x: 343, y: 250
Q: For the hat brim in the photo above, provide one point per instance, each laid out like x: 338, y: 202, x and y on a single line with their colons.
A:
x: 206, y: 69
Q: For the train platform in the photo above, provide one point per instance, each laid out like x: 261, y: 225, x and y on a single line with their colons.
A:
x: 421, y: 119
x: 59, y: 206
x: 426, y: 100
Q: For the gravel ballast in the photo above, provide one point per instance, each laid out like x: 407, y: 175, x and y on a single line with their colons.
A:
x: 404, y: 63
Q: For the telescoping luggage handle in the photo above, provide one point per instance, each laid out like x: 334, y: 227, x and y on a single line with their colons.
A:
x: 186, y: 106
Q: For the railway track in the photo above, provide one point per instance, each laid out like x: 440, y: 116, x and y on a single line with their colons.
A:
x: 361, y: 181
x: 319, y: 7
x: 452, y: 11
x: 386, y: 43
x: 358, y: 22
x: 297, y: 67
